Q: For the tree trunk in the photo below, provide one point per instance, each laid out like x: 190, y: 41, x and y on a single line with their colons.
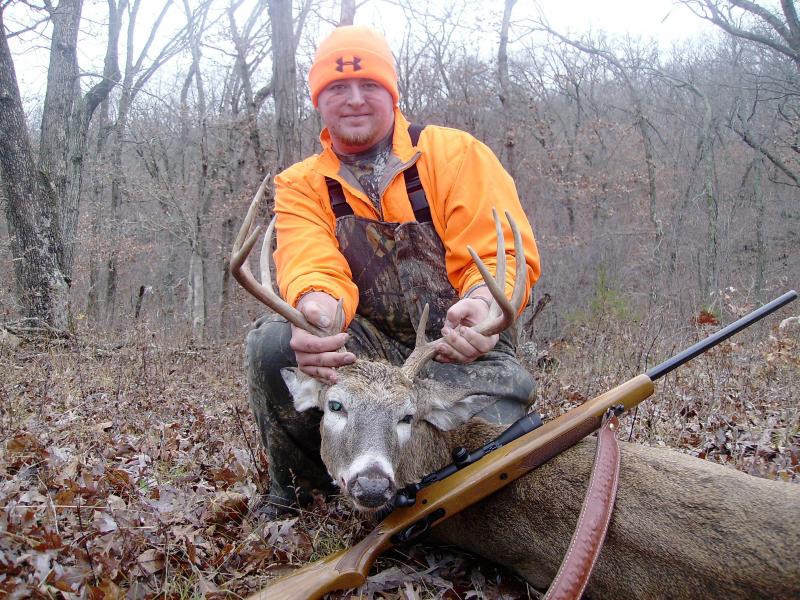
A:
x: 761, y: 243
x: 505, y: 90
x: 62, y: 88
x: 348, y: 12
x: 225, y: 288
x: 31, y: 207
x: 98, y: 195
x: 194, y: 300
x: 252, y: 101
x: 198, y: 276
x: 115, y: 214
x: 710, y: 283
x: 82, y: 112
x: 136, y: 76
x: 284, y: 83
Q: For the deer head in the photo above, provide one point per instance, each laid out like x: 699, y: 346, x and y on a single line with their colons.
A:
x: 380, y: 422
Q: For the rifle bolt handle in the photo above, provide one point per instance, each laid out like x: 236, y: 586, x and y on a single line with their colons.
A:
x: 460, y: 455
x: 402, y: 500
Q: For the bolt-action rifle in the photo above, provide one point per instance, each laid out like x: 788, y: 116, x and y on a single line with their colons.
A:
x: 524, y: 446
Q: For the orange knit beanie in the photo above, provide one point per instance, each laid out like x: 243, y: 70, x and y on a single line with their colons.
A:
x: 353, y: 51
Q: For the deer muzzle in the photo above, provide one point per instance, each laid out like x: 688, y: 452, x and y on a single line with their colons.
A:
x: 371, y: 488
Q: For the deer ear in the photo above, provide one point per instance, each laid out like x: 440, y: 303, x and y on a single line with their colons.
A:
x: 305, y: 390
x: 446, y: 408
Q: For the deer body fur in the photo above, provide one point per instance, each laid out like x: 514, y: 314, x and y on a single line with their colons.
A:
x: 682, y: 527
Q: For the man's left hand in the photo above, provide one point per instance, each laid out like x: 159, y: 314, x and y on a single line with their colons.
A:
x: 459, y: 343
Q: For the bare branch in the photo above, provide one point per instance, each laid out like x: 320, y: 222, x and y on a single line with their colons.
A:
x: 709, y: 10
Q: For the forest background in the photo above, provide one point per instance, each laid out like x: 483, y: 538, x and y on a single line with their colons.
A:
x: 655, y: 177
x: 661, y: 180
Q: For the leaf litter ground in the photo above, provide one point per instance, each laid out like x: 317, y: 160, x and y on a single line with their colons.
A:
x: 136, y: 472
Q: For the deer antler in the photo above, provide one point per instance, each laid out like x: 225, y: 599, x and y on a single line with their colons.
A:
x: 264, y: 291
x: 502, y: 311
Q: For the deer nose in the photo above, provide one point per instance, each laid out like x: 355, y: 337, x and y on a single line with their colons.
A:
x: 371, y: 488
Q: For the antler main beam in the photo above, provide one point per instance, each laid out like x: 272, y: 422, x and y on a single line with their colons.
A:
x: 263, y: 290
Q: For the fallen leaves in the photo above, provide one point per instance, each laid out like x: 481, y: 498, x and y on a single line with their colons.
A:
x: 136, y: 474
x: 151, y: 561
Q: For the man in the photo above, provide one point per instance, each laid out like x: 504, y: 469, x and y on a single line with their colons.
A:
x: 381, y: 218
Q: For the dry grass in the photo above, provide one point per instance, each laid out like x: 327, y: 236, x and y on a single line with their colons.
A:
x: 133, y: 471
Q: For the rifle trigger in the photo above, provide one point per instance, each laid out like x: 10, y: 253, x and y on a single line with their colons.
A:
x: 405, y: 498
x: 421, y: 527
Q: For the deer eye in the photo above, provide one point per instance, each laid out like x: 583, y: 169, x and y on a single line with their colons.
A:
x: 407, y: 419
x: 335, y: 406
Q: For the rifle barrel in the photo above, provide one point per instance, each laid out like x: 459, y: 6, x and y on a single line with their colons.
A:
x: 722, y: 335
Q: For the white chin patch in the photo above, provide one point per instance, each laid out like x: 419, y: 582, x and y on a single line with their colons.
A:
x: 403, y: 433
x: 363, y: 462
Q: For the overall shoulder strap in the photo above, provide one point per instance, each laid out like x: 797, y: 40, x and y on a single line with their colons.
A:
x: 338, y: 203
x: 414, y: 131
x: 416, y: 195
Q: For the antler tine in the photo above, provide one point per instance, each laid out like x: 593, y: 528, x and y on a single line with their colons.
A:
x: 338, y: 319
x: 423, y: 325
x: 520, y: 266
x: 266, y: 277
x: 423, y: 349
x: 500, y: 319
x: 245, y: 241
x: 240, y: 270
x: 500, y: 270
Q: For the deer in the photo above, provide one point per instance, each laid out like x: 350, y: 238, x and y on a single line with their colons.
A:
x: 682, y: 527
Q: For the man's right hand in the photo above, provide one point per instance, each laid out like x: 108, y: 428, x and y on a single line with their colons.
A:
x: 318, y: 356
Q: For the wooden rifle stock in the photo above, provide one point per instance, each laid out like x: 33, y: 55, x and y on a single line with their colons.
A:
x: 443, y: 499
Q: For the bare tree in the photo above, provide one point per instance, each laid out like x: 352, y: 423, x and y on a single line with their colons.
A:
x: 83, y: 109
x: 62, y: 85
x: 348, y: 13
x: 704, y: 164
x: 284, y: 82
x: 243, y: 42
x: 197, y: 299
x: 99, y: 176
x: 505, y: 88
x: 135, y: 76
x: 779, y: 32
x: 640, y: 119
x: 30, y: 193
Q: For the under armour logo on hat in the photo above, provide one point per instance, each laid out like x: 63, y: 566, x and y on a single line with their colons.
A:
x: 355, y: 63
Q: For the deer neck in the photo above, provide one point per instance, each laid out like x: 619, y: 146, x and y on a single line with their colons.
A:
x: 431, y: 449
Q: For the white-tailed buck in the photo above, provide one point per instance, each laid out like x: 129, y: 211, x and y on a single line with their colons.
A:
x: 681, y: 528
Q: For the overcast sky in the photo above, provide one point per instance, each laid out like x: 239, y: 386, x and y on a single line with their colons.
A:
x: 665, y: 21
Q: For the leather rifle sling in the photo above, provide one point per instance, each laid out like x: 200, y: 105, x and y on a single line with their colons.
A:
x: 575, y: 569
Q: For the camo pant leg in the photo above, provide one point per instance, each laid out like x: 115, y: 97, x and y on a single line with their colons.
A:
x: 291, y: 438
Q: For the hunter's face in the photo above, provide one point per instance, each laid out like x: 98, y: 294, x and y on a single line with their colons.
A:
x: 357, y: 112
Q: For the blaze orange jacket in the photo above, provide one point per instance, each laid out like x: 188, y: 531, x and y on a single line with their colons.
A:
x: 463, y: 180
